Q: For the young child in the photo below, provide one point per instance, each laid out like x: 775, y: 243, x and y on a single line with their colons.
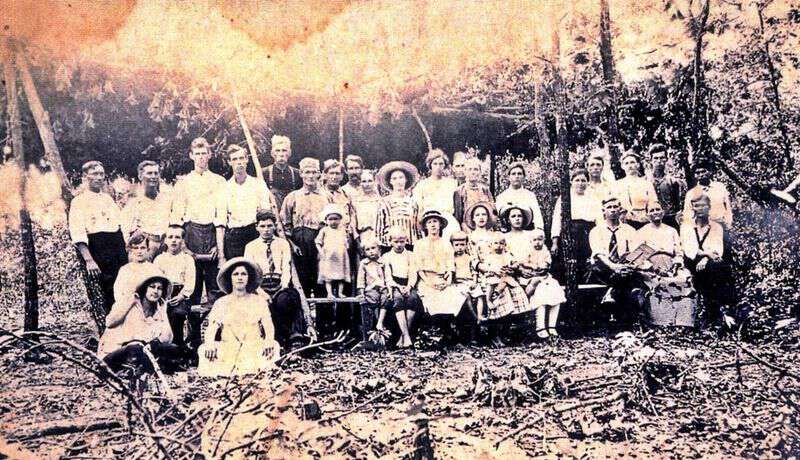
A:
x: 497, y: 267
x: 466, y: 278
x: 332, y: 246
x: 178, y: 266
x: 372, y: 287
x: 130, y: 273
x: 403, y: 300
x: 544, y: 292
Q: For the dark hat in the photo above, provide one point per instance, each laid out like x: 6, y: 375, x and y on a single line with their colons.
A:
x: 432, y: 214
x: 527, y: 213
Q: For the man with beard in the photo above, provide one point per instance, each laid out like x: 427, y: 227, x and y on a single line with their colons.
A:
x: 282, y: 178
x: 354, y: 166
x: 148, y: 212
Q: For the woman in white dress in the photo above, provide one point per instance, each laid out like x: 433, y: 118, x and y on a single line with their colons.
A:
x: 240, y: 337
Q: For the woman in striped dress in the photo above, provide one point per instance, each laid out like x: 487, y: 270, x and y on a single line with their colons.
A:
x: 397, y: 208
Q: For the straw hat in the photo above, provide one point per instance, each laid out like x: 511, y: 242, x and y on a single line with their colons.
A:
x: 253, y: 274
x: 411, y: 172
x: 481, y: 204
x: 527, y: 214
x: 150, y: 275
x: 433, y: 214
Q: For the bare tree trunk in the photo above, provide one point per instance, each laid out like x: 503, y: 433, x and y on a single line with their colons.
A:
x: 44, y: 126
x: 698, y: 27
x: 422, y: 126
x: 607, y: 60
x: 31, y: 322
x: 566, y: 244
x: 341, y: 133
x: 542, y: 132
x: 774, y: 86
x: 251, y: 145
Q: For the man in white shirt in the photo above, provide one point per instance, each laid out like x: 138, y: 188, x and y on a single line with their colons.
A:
x: 194, y: 206
x: 721, y: 210
x: 240, y: 199
x: 95, y: 230
x: 354, y: 166
x: 517, y: 195
x: 148, y: 212
x: 610, y: 241
x: 703, y: 247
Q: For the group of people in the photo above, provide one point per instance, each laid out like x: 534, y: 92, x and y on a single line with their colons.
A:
x: 442, y: 248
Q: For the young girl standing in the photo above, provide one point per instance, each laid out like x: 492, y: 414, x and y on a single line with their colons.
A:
x: 544, y: 292
x: 332, y: 246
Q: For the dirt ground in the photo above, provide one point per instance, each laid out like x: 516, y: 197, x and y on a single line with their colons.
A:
x: 647, y: 395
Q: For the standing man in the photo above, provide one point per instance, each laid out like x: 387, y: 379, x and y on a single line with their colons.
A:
x: 720, y: 201
x: 459, y: 165
x: 300, y: 214
x: 599, y: 188
x: 149, y: 211
x: 194, y: 207
x: 240, y: 199
x: 280, y: 177
x: 470, y: 192
x: 95, y: 230
x: 354, y: 166
x: 670, y: 190
x: 517, y: 195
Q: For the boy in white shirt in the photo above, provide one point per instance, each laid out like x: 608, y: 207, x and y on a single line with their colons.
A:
x: 178, y: 266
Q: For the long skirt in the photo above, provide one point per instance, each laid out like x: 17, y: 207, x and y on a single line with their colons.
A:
x: 447, y: 301
x: 237, y: 358
x: 510, y: 301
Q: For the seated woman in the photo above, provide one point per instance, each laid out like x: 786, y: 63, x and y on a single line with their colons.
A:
x: 240, y: 338
x: 434, y: 265
x: 138, y: 324
x: 673, y: 300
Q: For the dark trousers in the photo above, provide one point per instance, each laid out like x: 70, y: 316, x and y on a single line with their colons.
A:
x: 287, y: 316
x: 108, y: 251
x: 628, y: 292
x: 168, y: 356
x: 715, y: 284
x: 201, y: 239
x: 307, y: 263
x: 177, y: 316
x: 237, y: 238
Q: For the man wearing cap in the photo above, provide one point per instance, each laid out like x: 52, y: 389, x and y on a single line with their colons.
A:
x: 669, y: 189
x: 194, y: 206
x: 354, y: 166
x: 720, y: 200
x: 610, y: 241
x: 240, y: 199
x: 517, y: 195
x: 95, y: 230
x: 282, y: 178
x: 300, y: 215
x: 149, y: 211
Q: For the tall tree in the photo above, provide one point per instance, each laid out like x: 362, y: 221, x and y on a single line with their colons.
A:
x: 698, y: 26
x: 31, y: 313
x: 607, y: 61
x: 566, y: 244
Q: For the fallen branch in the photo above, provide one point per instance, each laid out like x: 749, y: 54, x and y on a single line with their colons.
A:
x: 566, y: 407
x: 61, y: 427
x: 355, y: 409
x: 340, y: 337
x: 519, y: 430
x: 770, y: 365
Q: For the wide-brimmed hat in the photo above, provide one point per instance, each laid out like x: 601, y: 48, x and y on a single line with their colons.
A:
x: 253, y: 274
x: 432, y: 214
x: 411, y: 172
x: 330, y: 208
x: 527, y: 213
x: 152, y: 274
x: 491, y: 210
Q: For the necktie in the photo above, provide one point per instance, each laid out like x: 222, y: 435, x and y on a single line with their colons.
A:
x: 270, y: 261
x: 612, y: 246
